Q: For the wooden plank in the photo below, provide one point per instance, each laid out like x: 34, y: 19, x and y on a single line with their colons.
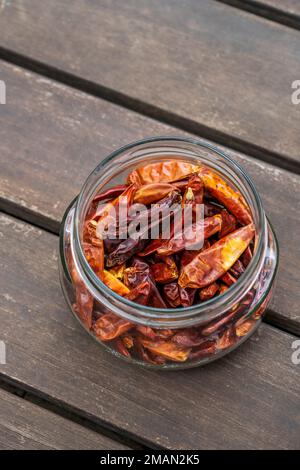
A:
x: 250, y: 399
x: 202, y: 65
x: 26, y: 426
x: 44, y: 163
x: 286, y: 12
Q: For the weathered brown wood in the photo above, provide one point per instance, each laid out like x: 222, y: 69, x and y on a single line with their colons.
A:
x: 250, y: 399
x: 26, y: 426
x: 221, y: 71
x: 286, y: 12
x: 53, y: 136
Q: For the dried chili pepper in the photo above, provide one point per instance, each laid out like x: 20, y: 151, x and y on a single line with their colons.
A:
x: 124, y: 251
x: 118, y: 271
x: 241, y: 329
x: 163, y: 172
x: 95, y: 257
x: 114, y: 283
x: 228, y: 278
x: 121, y: 347
x: 246, y: 257
x: 140, y: 294
x: 226, y: 339
x: 208, y: 292
x: 171, y: 294
x: 165, y: 271
x: 228, y: 223
x: 212, y: 263
x: 110, y: 193
x: 230, y: 198
x: 187, y: 296
x: 189, y: 338
x: 237, y: 269
x: 152, y: 192
x: 110, y: 327
x: 167, y: 349
x: 194, y: 235
x: 194, y: 191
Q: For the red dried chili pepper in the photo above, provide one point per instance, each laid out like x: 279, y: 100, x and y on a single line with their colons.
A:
x: 246, y: 257
x: 237, y: 269
x: 228, y: 278
x: 171, y: 294
x: 208, y: 292
x: 206, y: 349
x: 163, y: 172
x: 140, y: 294
x: 187, y: 296
x: 193, y: 236
x: 226, y: 340
x: 124, y: 251
x: 164, y: 271
x: 121, y: 347
x: 241, y: 329
x: 152, y: 192
x: 167, y: 349
x: 228, y: 223
x: 230, y: 198
x: 114, y: 283
x: 109, y: 327
x: 95, y: 257
x: 110, y: 193
x: 189, y: 338
x: 212, y: 263
x: 194, y: 191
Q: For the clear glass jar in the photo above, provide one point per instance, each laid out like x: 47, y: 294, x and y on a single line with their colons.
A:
x: 217, y: 325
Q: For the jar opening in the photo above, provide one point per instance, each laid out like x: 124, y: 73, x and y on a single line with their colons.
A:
x: 156, y: 149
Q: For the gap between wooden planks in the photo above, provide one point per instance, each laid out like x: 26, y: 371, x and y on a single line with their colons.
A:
x: 200, y: 65
x: 52, y: 136
x: 27, y: 426
x: 286, y: 12
x: 247, y: 400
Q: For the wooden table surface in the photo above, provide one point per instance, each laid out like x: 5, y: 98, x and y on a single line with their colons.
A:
x: 83, y: 78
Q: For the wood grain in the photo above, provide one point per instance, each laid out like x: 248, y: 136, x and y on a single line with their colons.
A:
x: 52, y: 136
x: 286, y: 12
x: 220, y: 71
x: 250, y: 399
x: 26, y: 426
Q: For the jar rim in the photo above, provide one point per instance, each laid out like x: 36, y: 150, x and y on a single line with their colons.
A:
x: 154, y: 314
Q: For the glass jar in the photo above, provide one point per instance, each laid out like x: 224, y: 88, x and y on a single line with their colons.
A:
x: 216, y: 326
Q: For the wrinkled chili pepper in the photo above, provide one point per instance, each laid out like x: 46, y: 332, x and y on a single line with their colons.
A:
x: 228, y: 223
x: 167, y: 349
x: 212, y: 263
x: 193, y: 236
x: 208, y: 292
x: 163, y: 172
x: 165, y: 271
x: 230, y: 198
x: 114, y: 283
x: 110, y: 327
x: 237, y: 269
x: 106, y: 211
x: 110, y: 193
x: 152, y: 192
x: 246, y: 257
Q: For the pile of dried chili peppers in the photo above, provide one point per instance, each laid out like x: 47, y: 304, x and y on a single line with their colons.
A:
x: 168, y: 272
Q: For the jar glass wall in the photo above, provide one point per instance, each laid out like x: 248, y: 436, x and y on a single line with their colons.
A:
x: 191, y: 336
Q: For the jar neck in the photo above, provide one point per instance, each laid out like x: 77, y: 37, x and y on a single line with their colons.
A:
x: 165, y: 148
